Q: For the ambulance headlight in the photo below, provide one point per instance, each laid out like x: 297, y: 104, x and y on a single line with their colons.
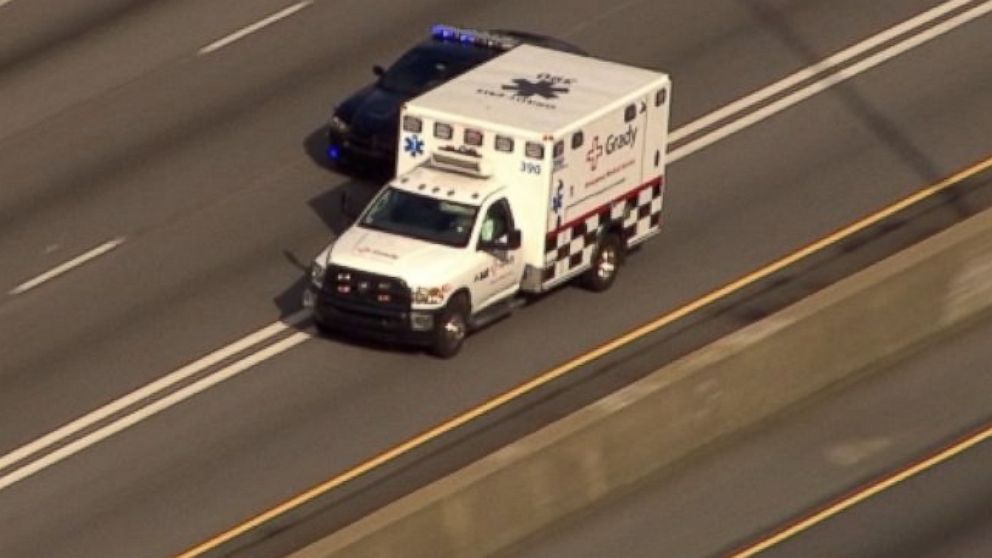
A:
x: 338, y: 125
x: 317, y: 274
x: 425, y: 295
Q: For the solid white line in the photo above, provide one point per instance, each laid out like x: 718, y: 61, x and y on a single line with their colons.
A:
x: 151, y: 409
x: 67, y: 266
x: 245, y: 31
x: 146, y: 391
x: 821, y: 66
x: 829, y: 81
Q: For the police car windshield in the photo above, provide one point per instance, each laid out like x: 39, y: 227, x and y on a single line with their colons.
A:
x: 425, y: 67
x: 408, y: 214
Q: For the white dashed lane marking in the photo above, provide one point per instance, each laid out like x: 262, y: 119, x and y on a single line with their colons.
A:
x: 249, y: 29
x: 67, y: 266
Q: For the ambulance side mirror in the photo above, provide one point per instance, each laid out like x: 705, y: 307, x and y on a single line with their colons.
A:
x: 347, y: 207
x: 513, y: 239
x: 512, y: 242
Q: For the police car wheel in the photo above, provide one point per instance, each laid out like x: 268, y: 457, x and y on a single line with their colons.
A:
x: 452, y: 328
x: 605, y: 264
x: 321, y: 326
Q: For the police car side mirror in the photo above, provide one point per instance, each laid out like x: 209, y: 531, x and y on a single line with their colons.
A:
x: 378, y: 70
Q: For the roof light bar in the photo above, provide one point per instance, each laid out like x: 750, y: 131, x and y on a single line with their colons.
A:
x: 467, y: 161
x: 474, y: 37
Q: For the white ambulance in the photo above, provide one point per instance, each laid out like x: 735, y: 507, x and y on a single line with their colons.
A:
x: 532, y: 169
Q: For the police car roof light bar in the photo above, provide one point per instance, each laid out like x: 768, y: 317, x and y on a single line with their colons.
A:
x: 473, y: 36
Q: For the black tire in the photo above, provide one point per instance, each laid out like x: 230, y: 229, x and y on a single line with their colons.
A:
x: 606, y: 260
x: 322, y: 327
x: 451, y: 328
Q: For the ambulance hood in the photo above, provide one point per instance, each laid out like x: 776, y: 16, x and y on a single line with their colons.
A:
x: 418, y: 262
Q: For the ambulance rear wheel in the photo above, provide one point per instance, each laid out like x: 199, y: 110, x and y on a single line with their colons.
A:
x: 605, y: 264
x: 451, y: 328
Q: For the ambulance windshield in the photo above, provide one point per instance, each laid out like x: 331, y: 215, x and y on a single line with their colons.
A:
x: 407, y: 214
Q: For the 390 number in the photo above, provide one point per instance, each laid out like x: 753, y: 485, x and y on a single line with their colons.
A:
x: 530, y: 168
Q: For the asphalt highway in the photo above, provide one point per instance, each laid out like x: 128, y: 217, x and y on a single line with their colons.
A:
x: 200, y: 174
x: 734, y: 495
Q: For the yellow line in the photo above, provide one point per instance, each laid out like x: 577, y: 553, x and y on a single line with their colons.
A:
x: 865, y: 493
x: 580, y: 360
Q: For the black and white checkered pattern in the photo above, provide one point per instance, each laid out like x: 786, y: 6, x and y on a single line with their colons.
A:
x: 570, y: 247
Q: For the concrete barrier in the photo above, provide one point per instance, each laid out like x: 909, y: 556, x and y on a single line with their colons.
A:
x: 737, y: 381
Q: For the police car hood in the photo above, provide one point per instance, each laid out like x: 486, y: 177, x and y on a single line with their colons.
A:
x: 372, y: 111
x: 418, y: 262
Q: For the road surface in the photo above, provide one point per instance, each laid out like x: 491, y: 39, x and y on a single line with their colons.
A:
x: 187, y: 184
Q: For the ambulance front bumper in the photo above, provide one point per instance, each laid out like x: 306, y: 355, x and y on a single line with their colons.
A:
x: 406, y: 326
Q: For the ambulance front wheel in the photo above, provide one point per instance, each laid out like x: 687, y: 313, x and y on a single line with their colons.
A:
x: 606, y: 260
x: 451, y: 328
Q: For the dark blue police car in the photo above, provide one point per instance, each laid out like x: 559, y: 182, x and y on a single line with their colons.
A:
x: 364, y: 128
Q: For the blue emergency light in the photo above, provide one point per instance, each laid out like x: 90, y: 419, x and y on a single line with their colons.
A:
x: 443, y: 32
x: 474, y: 37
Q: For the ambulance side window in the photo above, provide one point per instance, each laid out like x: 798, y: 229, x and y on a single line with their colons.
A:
x: 497, y: 222
x: 577, y: 140
x: 660, y: 97
x: 629, y: 113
